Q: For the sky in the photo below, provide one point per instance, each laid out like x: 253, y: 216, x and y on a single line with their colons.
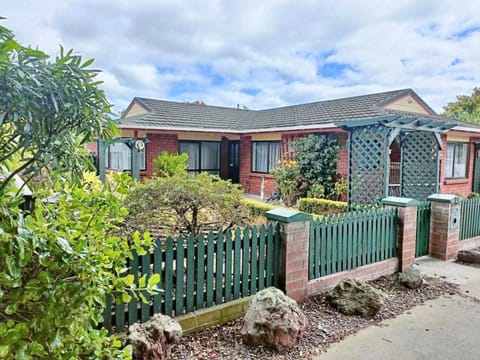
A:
x: 261, y: 53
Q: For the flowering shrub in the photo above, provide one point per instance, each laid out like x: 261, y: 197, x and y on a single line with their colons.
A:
x: 289, y: 181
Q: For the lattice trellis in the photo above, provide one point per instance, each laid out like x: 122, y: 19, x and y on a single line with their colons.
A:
x: 419, y: 164
x: 368, y: 161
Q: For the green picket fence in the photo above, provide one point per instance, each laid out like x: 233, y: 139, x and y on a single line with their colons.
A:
x: 197, y: 273
x: 470, y: 218
x: 423, y: 229
x: 347, y: 241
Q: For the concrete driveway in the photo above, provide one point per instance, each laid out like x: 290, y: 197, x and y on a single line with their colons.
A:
x: 445, y: 328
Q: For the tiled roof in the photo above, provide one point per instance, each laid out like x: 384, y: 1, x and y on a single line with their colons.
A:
x: 174, y: 115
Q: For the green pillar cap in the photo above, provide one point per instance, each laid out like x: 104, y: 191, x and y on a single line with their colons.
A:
x: 453, y: 199
x: 287, y: 215
x: 400, y: 201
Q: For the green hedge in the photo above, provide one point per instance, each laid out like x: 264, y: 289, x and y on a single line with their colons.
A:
x: 321, y: 206
x: 258, y: 208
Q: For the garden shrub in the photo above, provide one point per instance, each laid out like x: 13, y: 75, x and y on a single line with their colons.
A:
x: 321, y: 206
x: 289, y: 181
x: 167, y: 164
x: 257, y: 208
x: 184, y: 204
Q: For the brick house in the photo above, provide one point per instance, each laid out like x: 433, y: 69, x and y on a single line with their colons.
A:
x: 243, y: 145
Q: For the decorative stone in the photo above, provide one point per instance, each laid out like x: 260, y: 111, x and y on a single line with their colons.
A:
x: 352, y: 297
x: 273, y: 320
x: 152, y: 339
x: 469, y: 256
x: 411, y: 278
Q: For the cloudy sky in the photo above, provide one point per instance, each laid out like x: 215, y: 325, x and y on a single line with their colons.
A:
x: 261, y: 53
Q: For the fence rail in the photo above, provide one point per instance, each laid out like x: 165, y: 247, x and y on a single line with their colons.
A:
x: 470, y: 218
x: 346, y: 241
x: 196, y: 273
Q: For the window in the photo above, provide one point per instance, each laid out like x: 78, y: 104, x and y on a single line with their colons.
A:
x: 456, y: 160
x: 265, y: 155
x: 202, y: 156
x: 119, y: 157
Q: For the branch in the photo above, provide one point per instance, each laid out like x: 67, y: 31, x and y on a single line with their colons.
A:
x: 13, y: 173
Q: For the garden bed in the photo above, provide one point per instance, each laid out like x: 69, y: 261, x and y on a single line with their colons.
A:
x: 326, y: 325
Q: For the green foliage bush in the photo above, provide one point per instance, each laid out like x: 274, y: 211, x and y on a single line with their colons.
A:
x: 321, y: 206
x: 167, y: 164
x: 316, y: 158
x: 289, y: 181
x: 60, y: 259
x: 184, y: 203
x: 257, y: 208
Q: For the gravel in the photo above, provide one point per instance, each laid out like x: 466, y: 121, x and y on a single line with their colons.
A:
x: 326, y: 325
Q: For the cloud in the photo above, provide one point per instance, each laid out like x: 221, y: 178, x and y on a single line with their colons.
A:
x: 261, y: 54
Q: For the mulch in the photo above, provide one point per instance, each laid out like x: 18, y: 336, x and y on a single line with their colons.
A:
x: 326, y: 325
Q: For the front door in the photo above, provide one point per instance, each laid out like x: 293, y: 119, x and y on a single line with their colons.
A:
x: 476, y: 170
x: 234, y: 161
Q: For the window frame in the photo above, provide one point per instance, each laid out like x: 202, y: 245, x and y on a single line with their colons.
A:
x: 215, y: 171
x: 143, y: 165
x: 269, y: 166
x: 467, y: 159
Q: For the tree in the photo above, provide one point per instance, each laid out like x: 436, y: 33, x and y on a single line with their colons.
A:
x: 60, y: 259
x: 466, y: 108
x: 48, y: 110
x: 183, y: 203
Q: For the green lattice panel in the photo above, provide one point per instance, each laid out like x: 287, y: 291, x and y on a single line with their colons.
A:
x: 368, y: 159
x: 419, y: 151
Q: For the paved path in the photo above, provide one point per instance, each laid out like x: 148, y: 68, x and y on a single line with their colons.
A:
x: 445, y: 328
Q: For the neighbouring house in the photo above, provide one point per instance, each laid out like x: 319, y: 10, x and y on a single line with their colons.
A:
x: 392, y: 143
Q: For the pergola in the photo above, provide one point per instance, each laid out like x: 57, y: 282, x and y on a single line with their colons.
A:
x: 369, y: 143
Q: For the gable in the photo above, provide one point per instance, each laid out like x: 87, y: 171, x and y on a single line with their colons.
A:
x: 134, y: 109
x: 407, y: 103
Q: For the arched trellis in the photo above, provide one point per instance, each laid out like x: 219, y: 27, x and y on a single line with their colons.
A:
x: 368, y: 157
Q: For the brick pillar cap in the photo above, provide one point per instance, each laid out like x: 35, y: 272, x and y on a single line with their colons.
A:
x: 287, y: 215
x: 400, y: 201
x: 453, y: 199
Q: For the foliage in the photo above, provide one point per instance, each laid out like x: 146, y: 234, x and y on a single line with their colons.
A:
x: 313, y: 172
x: 341, y: 189
x: 47, y: 110
x: 316, y: 190
x: 289, y: 181
x: 473, y: 195
x: 59, y: 260
x: 57, y: 265
x: 257, y: 208
x: 321, y: 206
x: 184, y: 203
x: 466, y: 108
x: 316, y: 157
x: 167, y: 164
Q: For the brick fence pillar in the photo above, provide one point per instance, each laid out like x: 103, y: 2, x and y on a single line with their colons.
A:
x: 406, y: 229
x: 444, y: 226
x: 294, y: 233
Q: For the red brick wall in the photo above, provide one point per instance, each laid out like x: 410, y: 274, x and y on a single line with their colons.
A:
x: 157, y: 144
x: 92, y: 147
x: 342, y: 164
x: 456, y: 186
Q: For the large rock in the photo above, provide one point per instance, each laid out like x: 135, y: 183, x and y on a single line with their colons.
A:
x: 352, y: 297
x: 411, y: 278
x: 273, y: 320
x: 469, y: 256
x: 152, y: 340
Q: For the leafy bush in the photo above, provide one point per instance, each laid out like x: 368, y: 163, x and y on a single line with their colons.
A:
x: 184, y: 203
x: 321, y: 206
x: 316, y: 158
x: 316, y: 191
x: 257, y: 208
x: 289, y: 181
x: 57, y: 265
x: 167, y: 164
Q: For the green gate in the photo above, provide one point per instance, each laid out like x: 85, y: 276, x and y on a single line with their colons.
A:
x: 423, y: 229
x: 476, y: 170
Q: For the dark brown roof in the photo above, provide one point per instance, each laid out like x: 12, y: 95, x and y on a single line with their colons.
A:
x: 174, y: 115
